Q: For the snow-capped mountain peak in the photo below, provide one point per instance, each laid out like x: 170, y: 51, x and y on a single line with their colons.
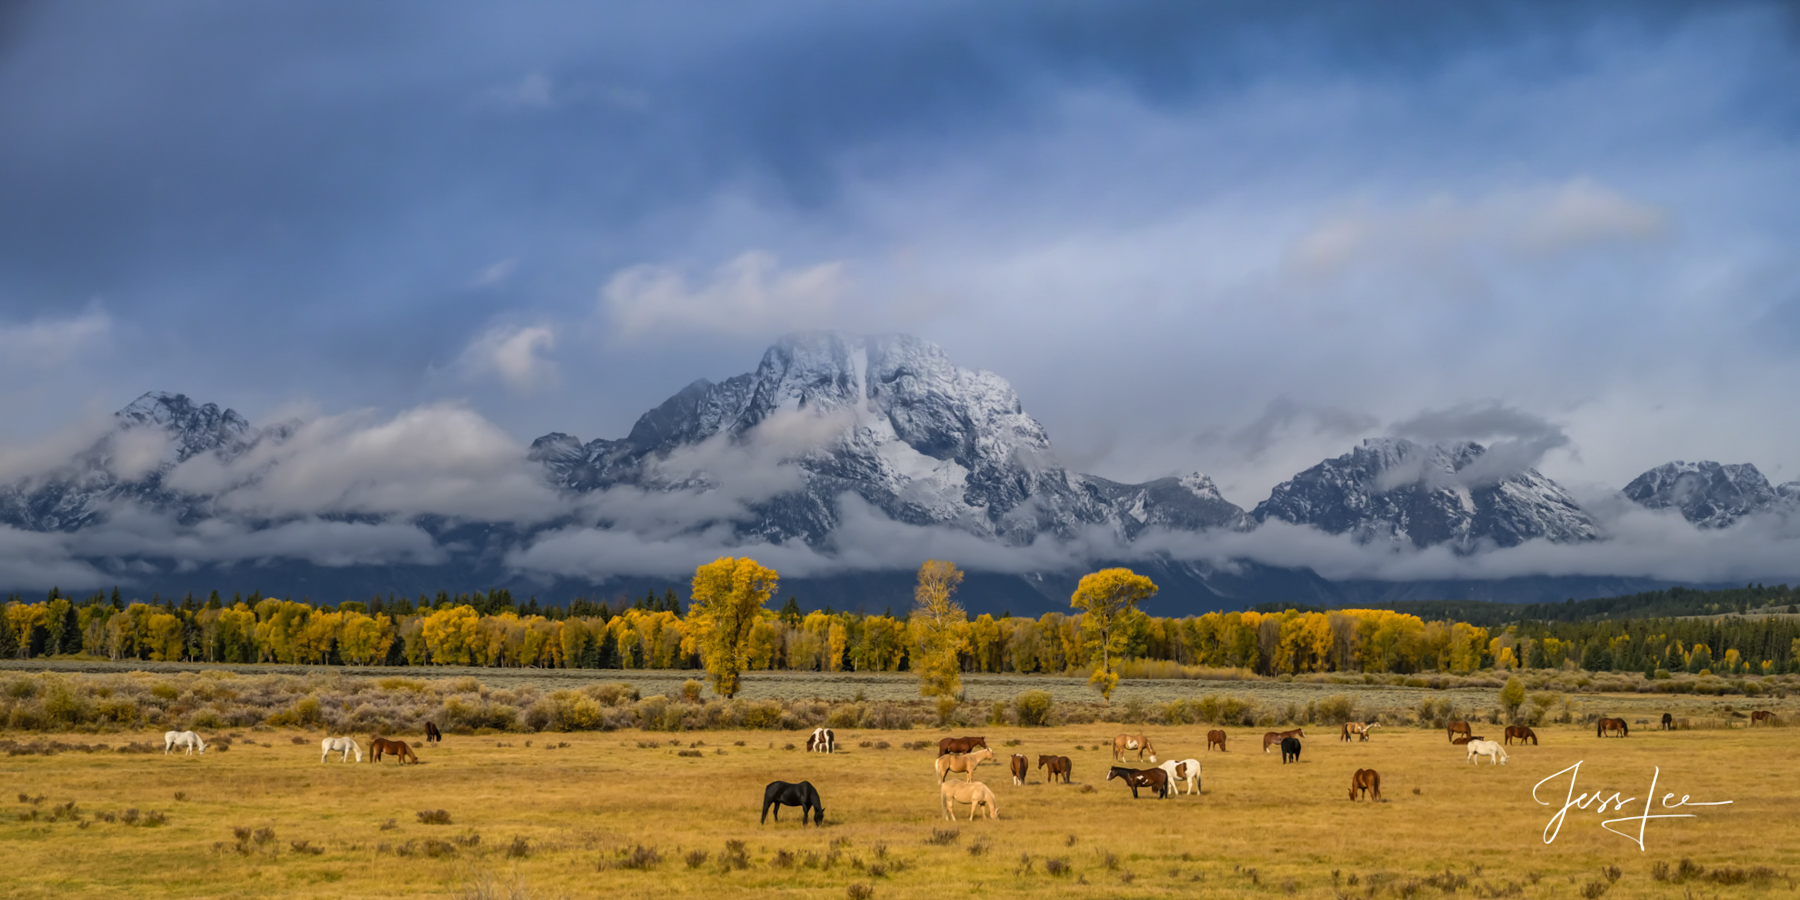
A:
x: 1710, y: 494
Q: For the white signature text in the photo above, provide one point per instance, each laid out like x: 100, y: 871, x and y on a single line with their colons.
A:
x: 1618, y: 804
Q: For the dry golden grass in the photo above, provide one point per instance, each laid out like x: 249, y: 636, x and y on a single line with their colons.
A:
x: 580, y: 810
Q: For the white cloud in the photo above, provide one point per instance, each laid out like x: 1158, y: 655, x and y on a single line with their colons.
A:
x: 43, y: 342
x: 515, y: 354
x: 750, y: 295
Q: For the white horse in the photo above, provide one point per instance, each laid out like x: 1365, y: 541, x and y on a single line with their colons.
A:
x: 1490, y: 749
x: 1181, y: 770
x: 184, y: 739
x: 823, y: 740
x: 344, y: 744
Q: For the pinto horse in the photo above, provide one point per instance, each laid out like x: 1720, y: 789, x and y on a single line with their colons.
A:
x: 1180, y: 771
x: 1522, y: 732
x: 1762, y: 715
x: 962, y: 762
x: 822, y: 740
x: 781, y: 793
x: 1668, y: 722
x: 1290, y: 750
x: 1155, y: 779
x: 432, y: 734
x: 1021, y: 767
x: 973, y: 793
x: 1605, y: 726
x: 1360, y: 729
x: 398, y: 749
x: 960, y: 745
x: 1276, y: 737
x: 1456, y: 728
x: 1056, y: 765
x: 1128, y: 743
x: 1215, y: 737
x: 1368, y: 781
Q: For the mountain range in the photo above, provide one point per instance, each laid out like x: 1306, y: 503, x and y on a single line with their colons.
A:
x: 828, y: 426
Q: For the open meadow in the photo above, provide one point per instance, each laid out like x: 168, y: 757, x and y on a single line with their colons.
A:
x: 642, y: 814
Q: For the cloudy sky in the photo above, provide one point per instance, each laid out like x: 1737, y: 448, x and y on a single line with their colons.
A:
x: 1225, y: 237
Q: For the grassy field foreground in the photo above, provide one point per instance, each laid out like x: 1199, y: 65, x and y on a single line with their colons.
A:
x: 622, y: 814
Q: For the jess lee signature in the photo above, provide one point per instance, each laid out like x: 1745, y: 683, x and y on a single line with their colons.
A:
x: 1618, y: 803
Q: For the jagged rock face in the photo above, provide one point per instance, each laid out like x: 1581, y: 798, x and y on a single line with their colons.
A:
x: 1710, y: 494
x: 1391, y: 489
x: 922, y: 440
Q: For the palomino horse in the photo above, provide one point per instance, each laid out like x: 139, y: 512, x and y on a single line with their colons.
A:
x: 1021, y: 767
x: 1359, y: 729
x: 1489, y: 749
x: 1183, y: 770
x: 1762, y: 715
x: 1456, y: 728
x: 1522, y: 732
x: 822, y: 740
x: 1276, y: 737
x: 186, y: 740
x: 1155, y: 779
x: 1215, y: 737
x: 343, y: 744
x: 398, y: 749
x: 973, y: 793
x: 1127, y: 743
x: 1057, y: 765
x: 1606, y: 726
x: 962, y: 762
x: 1368, y: 781
x: 781, y: 793
x: 960, y: 745
x: 1668, y: 722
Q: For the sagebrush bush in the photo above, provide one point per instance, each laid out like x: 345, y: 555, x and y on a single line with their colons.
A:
x: 1034, y: 708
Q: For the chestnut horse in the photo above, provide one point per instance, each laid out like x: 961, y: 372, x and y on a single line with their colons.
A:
x: 1215, y: 737
x: 1461, y: 739
x: 1127, y: 743
x: 1368, y: 781
x: 1522, y: 732
x: 1020, y: 768
x: 1456, y: 728
x: 1276, y: 737
x: 962, y: 762
x: 397, y: 749
x: 1605, y: 726
x: 960, y: 745
x: 1155, y: 779
x: 1057, y: 765
x: 1762, y: 715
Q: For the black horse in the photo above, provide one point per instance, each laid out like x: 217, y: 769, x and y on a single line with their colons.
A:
x: 1290, y: 750
x: 781, y: 793
x: 432, y: 733
x: 1668, y: 722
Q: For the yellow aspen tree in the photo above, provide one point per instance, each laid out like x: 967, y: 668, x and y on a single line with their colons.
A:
x: 1106, y: 599
x: 725, y: 606
x: 940, y: 633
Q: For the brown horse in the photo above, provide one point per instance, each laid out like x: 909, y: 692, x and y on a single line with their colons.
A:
x: 1668, y: 722
x: 1129, y: 743
x: 1275, y: 737
x: 1056, y: 765
x: 960, y: 745
x: 1456, y: 728
x: 432, y: 733
x: 1215, y: 737
x: 398, y: 749
x: 1522, y: 732
x: 1154, y: 779
x: 962, y: 762
x: 1605, y: 726
x: 1368, y: 781
x: 1020, y: 768
x: 1762, y: 715
x: 1465, y: 738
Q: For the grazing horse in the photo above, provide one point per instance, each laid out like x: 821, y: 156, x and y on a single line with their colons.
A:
x: 1360, y: 729
x: 1142, y: 778
x: 344, y: 744
x: 1605, y: 726
x: 1368, y: 781
x: 1021, y: 767
x: 1057, y: 765
x: 960, y: 745
x: 1126, y: 743
x: 186, y: 740
x: 962, y: 762
x: 1276, y: 737
x: 973, y: 793
x: 1762, y: 715
x: 1456, y: 728
x: 1490, y: 749
x: 822, y: 740
x: 1217, y: 737
x: 1183, y: 770
x: 1522, y: 732
x: 1290, y: 750
x: 1668, y: 722
x: 398, y: 749
x: 432, y: 733
x: 781, y: 793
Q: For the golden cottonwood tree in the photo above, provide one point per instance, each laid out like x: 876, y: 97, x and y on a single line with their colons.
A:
x: 1107, y: 598
x: 940, y: 632
x: 724, y: 608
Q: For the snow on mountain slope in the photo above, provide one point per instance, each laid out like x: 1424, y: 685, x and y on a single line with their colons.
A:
x: 1710, y: 494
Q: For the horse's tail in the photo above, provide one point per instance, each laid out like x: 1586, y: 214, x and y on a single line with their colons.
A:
x: 1600, y: 729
